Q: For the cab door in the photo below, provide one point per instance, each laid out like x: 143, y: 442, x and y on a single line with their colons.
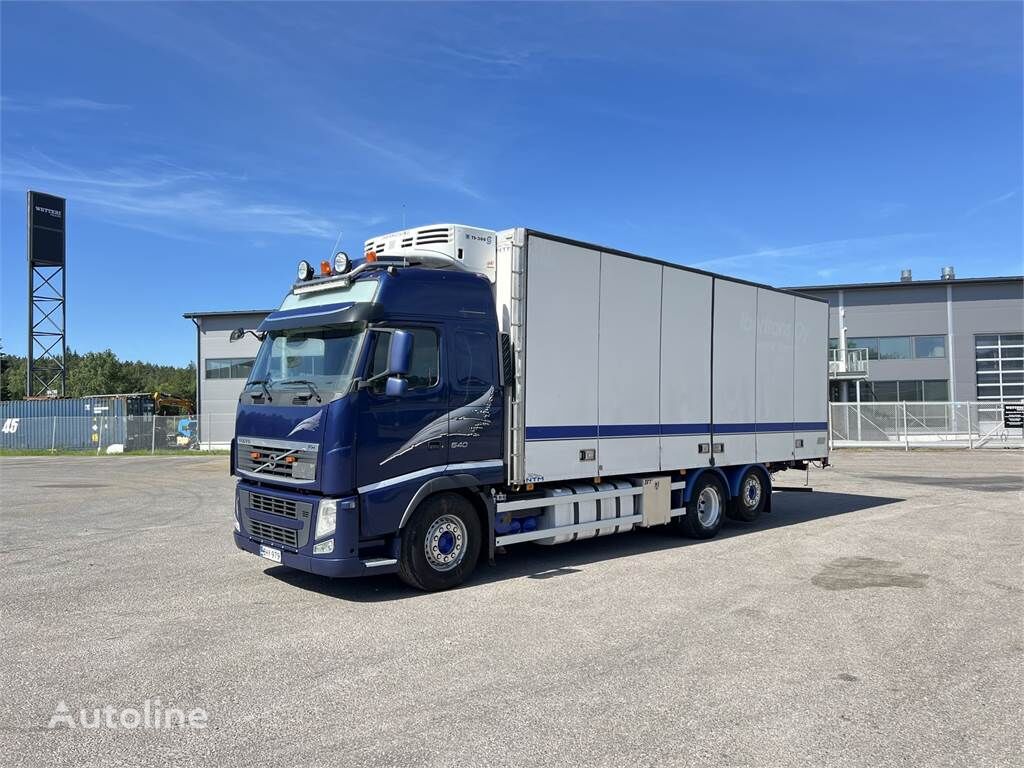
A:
x: 474, y: 396
x: 398, y: 438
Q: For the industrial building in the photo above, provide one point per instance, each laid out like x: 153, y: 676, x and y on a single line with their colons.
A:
x: 959, y: 339
x: 948, y: 339
x: 222, y: 367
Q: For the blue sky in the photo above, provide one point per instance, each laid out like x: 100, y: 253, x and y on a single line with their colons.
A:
x: 205, y: 148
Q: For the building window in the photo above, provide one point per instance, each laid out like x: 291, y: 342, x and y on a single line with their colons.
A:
x: 906, y: 390
x: 885, y: 391
x: 929, y: 346
x: 999, y: 361
x: 899, y: 347
x: 935, y: 391
x: 895, y: 348
x: 871, y: 345
x: 229, y: 367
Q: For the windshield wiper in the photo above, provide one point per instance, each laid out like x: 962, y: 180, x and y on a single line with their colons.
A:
x: 263, y: 386
x: 312, y: 389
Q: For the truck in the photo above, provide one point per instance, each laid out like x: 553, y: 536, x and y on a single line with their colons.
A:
x: 459, y: 390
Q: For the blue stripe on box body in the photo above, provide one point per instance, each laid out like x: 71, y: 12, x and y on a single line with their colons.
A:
x: 589, y: 431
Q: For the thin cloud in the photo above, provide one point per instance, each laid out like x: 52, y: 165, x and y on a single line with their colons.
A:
x: 234, y: 56
x: 410, y: 162
x: 59, y: 103
x: 826, y: 249
x: 176, y: 203
x: 992, y: 202
x: 488, y: 57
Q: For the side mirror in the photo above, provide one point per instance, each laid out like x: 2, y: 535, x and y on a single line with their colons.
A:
x: 399, y: 354
x: 396, y: 387
x: 236, y: 334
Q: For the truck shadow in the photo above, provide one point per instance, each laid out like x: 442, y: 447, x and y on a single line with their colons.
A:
x: 534, y: 561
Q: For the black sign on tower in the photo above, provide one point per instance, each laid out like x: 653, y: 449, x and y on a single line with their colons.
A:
x: 47, y: 286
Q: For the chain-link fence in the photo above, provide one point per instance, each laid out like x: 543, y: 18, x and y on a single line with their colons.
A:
x: 867, y: 424
x: 921, y: 425
x: 101, y: 433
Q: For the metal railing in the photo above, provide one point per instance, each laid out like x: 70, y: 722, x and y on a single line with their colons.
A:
x: 851, y: 362
x: 921, y: 425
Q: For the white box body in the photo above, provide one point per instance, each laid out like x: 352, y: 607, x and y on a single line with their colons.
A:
x: 648, y: 365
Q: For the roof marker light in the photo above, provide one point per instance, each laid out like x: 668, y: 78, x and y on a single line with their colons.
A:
x: 325, y: 268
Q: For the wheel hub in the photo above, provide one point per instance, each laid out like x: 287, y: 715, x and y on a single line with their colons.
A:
x: 752, y: 491
x: 445, y: 543
x: 709, y: 506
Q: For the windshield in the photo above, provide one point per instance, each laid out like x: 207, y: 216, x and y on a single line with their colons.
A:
x: 312, y: 364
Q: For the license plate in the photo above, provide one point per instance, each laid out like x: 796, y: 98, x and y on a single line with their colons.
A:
x: 270, y: 553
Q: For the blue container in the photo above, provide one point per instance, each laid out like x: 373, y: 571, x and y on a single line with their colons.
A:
x: 79, y: 423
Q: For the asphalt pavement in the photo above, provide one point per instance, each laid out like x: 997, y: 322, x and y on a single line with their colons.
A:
x: 874, y: 622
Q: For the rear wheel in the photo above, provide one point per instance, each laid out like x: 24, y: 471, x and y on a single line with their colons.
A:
x: 705, y: 509
x: 750, y: 502
x: 441, y: 543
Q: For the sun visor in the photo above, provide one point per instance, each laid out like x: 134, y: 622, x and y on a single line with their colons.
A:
x: 316, y: 316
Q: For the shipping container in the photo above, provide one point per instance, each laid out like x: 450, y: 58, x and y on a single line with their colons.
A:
x: 77, y: 423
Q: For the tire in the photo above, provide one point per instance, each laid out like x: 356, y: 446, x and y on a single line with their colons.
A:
x: 752, y: 498
x: 705, y: 510
x: 440, y: 544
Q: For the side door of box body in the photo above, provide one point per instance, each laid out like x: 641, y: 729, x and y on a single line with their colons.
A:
x: 685, y: 368
x: 810, y: 379
x: 563, y: 294
x: 773, y: 377
x: 629, y: 334
x: 734, y: 353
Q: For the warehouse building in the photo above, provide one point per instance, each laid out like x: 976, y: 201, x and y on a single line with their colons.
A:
x: 911, y: 340
x: 938, y: 340
x: 222, y: 367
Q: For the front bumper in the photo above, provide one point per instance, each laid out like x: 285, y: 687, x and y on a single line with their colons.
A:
x: 322, y: 566
x: 285, y: 520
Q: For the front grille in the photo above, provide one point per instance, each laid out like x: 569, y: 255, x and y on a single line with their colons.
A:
x: 280, y: 459
x: 276, y: 506
x: 274, y: 533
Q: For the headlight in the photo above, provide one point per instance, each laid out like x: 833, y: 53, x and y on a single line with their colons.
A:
x: 341, y: 263
x: 326, y: 518
x: 238, y: 513
x: 305, y: 270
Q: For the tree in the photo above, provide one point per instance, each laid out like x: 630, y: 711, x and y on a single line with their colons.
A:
x: 13, y: 374
x: 102, y: 373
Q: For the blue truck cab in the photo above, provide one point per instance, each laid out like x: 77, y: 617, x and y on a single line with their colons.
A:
x: 370, y: 393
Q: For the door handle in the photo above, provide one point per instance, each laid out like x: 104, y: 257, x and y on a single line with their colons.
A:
x: 433, y: 445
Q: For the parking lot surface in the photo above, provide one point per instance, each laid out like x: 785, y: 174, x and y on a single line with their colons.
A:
x: 876, y: 621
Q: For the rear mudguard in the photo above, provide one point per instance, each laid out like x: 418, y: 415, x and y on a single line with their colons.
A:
x: 730, y: 477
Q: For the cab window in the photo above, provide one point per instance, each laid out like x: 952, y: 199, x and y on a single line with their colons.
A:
x: 426, y: 359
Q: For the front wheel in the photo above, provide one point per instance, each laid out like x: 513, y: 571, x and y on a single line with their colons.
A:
x: 441, y: 543
x: 705, y: 509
